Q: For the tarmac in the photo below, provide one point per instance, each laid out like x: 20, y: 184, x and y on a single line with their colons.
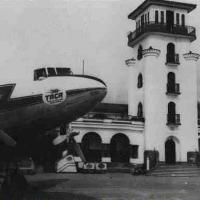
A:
x: 110, y: 186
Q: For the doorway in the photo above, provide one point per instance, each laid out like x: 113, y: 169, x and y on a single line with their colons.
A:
x: 120, y: 148
x: 91, y: 146
x: 170, y: 152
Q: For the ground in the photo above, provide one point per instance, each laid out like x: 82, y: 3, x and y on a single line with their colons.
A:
x: 116, y: 186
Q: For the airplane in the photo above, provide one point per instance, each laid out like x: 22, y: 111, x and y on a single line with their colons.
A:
x: 43, y: 99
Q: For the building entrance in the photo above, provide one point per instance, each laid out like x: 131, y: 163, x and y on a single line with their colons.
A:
x: 170, y: 152
x: 120, y: 148
x: 91, y: 146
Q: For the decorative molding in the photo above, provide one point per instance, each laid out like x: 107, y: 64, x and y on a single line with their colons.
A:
x: 136, y: 127
x: 191, y: 56
x: 151, y: 52
x: 130, y: 62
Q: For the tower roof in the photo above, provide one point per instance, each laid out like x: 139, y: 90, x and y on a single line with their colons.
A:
x: 186, y: 6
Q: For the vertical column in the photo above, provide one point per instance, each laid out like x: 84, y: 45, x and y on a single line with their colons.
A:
x: 154, y: 92
x: 189, y: 106
x: 132, y: 87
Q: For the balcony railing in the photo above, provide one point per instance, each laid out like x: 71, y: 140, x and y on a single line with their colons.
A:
x: 186, y: 31
x: 173, y: 119
x: 173, y: 89
x: 172, y: 59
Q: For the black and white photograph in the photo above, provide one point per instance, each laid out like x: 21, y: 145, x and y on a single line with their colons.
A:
x: 99, y: 99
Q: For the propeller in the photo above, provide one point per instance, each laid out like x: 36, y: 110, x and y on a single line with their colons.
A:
x: 67, y: 134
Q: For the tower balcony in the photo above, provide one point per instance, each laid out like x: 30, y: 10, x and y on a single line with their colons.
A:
x: 173, y: 119
x: 172, y: 59
x: 161, y: 28
x: 173, y: 89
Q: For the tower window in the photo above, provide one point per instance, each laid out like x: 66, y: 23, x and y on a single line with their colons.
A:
x: 156, y: 16
x: 171, y: 112
x: 171, y: 81
x: 140, y: 49
x: 172, y: 86
x: 162, y: 17
x: 142, y: 20
x: 183, y: 19
x: 177, y: 18
x: 170, y: 53
x: 138, y: 23
x: 140, y: 110
x: 172, y: 117
x: 145, y: 18
x: 148, y: 17
x: 140, y: 81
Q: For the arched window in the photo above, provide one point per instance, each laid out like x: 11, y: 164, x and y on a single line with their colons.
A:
x: 156, y: 16
x: 140, y: 110
x: 140, y: 49
x: 171, y: 112
x: 140, y: 81
x: 171, y: 108
x: 170, y: 53
x: 171, y: 82
x: 183, y: 19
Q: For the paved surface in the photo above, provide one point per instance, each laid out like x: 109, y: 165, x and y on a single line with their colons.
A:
x: 114, y: 186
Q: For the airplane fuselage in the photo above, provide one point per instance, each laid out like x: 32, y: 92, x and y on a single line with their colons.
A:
x: 45, y: 104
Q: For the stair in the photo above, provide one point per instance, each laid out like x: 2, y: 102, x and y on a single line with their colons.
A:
x: 177, y: 170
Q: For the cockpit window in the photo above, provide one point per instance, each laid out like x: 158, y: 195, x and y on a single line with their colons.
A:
x: 51, y: 71
x: 40, y: 74
x: 61, y: 71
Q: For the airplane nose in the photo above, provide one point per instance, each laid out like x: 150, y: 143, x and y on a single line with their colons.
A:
x: 100, y: 89
x: 96, y: 86
x: 95, y: 79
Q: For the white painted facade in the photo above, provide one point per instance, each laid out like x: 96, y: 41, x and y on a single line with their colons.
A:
x: 106, y: 129
x: 153, y: 95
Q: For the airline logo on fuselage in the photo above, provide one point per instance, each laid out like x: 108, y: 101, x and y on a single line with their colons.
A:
x: 54, y: 97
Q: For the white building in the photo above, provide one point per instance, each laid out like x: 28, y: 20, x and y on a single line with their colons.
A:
x: 161, y: 115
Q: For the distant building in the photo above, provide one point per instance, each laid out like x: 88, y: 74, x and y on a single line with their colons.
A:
x: 161, y: 115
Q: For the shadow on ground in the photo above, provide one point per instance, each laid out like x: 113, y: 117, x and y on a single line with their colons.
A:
x: 57, y: 196
x: 36, y: 191
x: 46, y: 184
x: 39, y: 195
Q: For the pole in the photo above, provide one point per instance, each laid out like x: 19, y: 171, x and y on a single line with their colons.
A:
x: 83, y: 66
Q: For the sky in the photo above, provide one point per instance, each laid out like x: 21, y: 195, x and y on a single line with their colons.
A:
x: 65, y: 32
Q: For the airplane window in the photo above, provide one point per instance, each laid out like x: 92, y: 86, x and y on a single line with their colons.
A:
x: 51, y: 71
x: 63, y: 71
x: 40, y: 74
